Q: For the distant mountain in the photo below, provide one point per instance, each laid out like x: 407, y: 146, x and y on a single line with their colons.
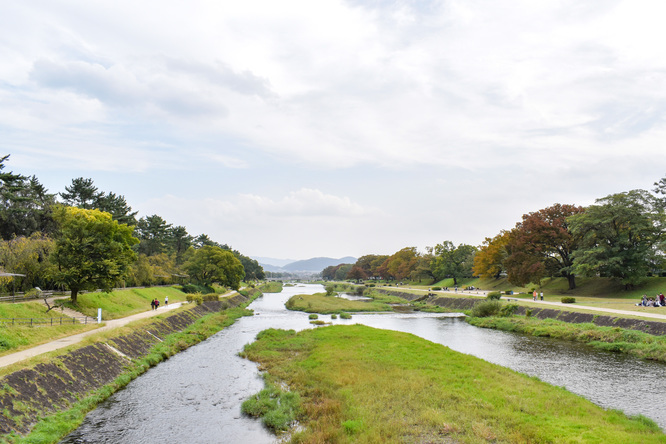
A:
x: 317, y: 264
x: 272, y: 261
x: 314, y: 265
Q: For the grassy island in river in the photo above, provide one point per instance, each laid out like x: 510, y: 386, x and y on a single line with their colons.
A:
x: 360, y: 384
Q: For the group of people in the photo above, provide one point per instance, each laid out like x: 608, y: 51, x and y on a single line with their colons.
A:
x: 657, y: 301
x: 155, y: 304
x: 536, y: 295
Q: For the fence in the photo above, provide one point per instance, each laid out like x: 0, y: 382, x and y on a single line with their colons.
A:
x: 47, y: 322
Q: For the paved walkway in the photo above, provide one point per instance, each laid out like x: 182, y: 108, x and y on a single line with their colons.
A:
x: 69, y: 340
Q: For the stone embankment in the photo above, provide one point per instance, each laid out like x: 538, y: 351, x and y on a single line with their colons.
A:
x: 651, y: 327
x: 29, y: 394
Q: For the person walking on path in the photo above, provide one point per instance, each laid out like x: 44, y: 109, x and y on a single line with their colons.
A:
x: 166, y: 300
x: 152, y: 304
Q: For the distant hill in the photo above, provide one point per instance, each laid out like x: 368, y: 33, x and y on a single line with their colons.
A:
x: 271, y: 261
x: 317, y: 264
x: 313, y: 265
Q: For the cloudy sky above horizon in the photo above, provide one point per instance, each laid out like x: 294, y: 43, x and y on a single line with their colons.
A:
x: 297, y: 129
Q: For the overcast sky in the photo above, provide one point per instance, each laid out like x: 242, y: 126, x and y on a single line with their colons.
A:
x: 296, y: 129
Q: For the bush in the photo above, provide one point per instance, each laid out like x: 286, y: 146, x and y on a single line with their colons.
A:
x: 508, y: 310
x: 195, y: 288
x: 211, y: 297
x: 334, y: 316
x: 313, y: 316
x: 196, y: 297
x: 370, y: 285
x: 436, y: 288
x: 494, y: 296
x: 568, y: 300
x: 486, y: 308
x: 345, y: 316
x: 330, y: 289
x: 508, y: 292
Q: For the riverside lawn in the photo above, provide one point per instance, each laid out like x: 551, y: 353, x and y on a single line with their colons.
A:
x: 360, y: 384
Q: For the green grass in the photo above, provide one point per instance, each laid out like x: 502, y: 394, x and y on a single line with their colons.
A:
x: 637, y: 343
x: 122, y: 303
x: 322, y: 304
x: 359, y: 384
x: 270, y: 287
x: 18, y: 337
x: 277, y: 408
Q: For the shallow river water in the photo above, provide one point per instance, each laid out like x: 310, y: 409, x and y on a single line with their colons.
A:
x: 195, y: 396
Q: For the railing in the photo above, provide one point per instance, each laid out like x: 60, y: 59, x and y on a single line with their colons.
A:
x: 47, y: 322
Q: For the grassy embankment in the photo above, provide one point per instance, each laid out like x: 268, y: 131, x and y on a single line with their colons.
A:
x: 122, y: 303
x: 323, y: 304
x: 18, y: 337
x: 52, y: 428
x: 637, y: 343
x: 359, y: 384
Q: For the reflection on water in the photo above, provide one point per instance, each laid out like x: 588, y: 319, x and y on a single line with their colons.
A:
x: 195, y: 396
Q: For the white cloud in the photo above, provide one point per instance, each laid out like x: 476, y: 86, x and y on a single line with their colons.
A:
x: 564, y: 94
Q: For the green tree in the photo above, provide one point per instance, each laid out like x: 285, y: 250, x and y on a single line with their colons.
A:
x: 82, y: 193
x: 117, y: 206
x: 342, y: 271
x: 28, y: 256
x: 154, y: 234
x: 452, y: 261
x: 92, y: 250
x: 25, y: 205
x: 210, y: 264
x: 180, y: 241
x: 618, y: 237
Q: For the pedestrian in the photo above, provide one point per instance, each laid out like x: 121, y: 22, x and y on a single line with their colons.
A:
x: 534, y: 296
x: 166, y: 300
x: 152, y: 304
x: 542, y: 295
x: 157, y: 304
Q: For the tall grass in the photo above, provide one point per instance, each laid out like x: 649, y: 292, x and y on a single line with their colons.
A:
x: 359, y: 384
x: 320, y: 303
x: 634, y: 342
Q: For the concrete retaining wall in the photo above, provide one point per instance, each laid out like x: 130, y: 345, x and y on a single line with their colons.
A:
x: 27, y: 395
x: 651, y: 327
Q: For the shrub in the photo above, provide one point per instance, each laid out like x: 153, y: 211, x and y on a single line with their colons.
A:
x: 196, y: 297
x: 508, y: 310
x: 508, y: 292
x: 528, y: 313
x: 370, y: 285
x: 194, y: 288
x: 334, y: 316
x: 330, y: 289
x: 494, y: 296
x: 568, y: 300
x: 313, y: 316
x: 486, y: 308
x: 436, y: 288
x: 345, y: 316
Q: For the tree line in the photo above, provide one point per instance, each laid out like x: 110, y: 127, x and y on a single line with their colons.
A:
x: 621, y: 236
x: 84, y: 238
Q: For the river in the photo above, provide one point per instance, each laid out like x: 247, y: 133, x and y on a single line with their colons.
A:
x: 195, y: 396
